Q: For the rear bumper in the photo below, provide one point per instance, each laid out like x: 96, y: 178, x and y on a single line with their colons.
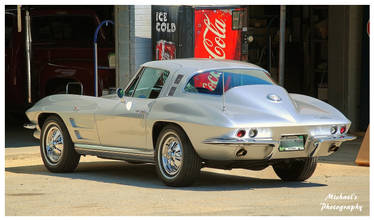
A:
x: 267, y: 149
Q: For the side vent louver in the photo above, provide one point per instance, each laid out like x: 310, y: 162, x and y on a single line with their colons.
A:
x: 77, y: 134
x: 72, y: 122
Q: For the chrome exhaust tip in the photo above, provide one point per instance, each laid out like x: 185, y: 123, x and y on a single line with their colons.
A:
x: 242, y: 152
x: 333, y: 148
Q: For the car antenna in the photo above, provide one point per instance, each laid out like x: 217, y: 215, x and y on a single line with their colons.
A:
x: 223, y: 91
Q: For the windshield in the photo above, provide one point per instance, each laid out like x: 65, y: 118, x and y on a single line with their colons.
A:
x: 210, y: 82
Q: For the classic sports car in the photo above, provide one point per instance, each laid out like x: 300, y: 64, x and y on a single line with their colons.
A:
x: 186, y: 114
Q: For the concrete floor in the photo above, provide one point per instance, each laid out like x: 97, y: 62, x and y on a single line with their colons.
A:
x: 105, y: 187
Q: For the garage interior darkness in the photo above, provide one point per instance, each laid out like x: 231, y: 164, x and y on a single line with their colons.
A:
x: 326, y: 50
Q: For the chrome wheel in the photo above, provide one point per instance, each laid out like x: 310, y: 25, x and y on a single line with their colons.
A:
x: 56, y: 147
x: 177, y: 163
x: 171, y: 154
x: 54, y: 144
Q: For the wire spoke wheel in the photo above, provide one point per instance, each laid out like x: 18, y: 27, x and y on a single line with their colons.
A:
x: 56, y: 147
x: 171, y: 155
x: 177, y: 163
x: 54, y: 144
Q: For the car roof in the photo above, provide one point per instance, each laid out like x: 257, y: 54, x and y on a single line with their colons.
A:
x: 193, y: 65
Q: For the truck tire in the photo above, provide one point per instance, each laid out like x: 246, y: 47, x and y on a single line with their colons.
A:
x: 296, y: 169
x: 177, y: 163
x: 56, y: 147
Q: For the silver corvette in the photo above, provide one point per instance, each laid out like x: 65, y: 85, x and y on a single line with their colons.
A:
x: 186, y: 114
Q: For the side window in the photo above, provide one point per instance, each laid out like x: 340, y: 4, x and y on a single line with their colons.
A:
x: 150, y: 83
x: 130, y: 90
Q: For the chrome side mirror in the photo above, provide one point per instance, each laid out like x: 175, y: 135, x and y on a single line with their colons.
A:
x: 120, y: 93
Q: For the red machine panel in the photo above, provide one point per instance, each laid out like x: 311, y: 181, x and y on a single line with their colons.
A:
x: 214, y: 36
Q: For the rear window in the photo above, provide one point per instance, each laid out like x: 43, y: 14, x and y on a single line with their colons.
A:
x: 211, y: 82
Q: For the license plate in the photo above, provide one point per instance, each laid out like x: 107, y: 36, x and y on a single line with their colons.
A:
x: 291, y: 143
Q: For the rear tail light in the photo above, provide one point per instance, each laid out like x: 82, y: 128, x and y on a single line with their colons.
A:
x: 240, y: 133
x: 342, y: 129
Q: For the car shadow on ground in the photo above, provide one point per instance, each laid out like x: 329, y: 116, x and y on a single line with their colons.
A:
x: 16, y: 135
x: 144, y: 175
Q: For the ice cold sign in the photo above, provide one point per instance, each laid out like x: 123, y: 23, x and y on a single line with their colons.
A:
x: 162, y: 24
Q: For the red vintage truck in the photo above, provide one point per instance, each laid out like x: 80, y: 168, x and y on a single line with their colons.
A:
x: 61, y: 51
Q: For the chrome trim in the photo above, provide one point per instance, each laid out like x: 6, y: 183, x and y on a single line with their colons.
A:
x: 245, y: 141
x: 274, y: 98
x: 269, y: 141
x: 29, y: 126
x: 267, y: 148
x: 132, y: 79
x: 320, y: 142
x: 119, y: 153
x: 140, y: 73
x: 340, y: 138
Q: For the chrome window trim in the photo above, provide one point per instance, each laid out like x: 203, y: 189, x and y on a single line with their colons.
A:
x: 132, y: 79
x: 136, y: 85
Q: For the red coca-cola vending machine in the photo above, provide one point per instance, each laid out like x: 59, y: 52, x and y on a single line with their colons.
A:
x: 201, y: 32
x: 217, y: 33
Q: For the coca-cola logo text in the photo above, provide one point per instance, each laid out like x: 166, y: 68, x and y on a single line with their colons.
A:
x: 215, y: 47
x: 213, y: 78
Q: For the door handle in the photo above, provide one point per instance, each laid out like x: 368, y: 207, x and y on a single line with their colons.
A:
x: 140, y: 111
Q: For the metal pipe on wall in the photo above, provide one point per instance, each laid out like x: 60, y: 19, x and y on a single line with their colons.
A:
x: 19, y: 18
x: 96, y: 65
x: 282, y: 41
x: 28, y: 54
x: 269, y: 54
x: 96, y: 76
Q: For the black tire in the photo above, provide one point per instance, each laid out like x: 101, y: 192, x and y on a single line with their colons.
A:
x: 296, y: 169
x: 69, y: 158
x: 190, y: 164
